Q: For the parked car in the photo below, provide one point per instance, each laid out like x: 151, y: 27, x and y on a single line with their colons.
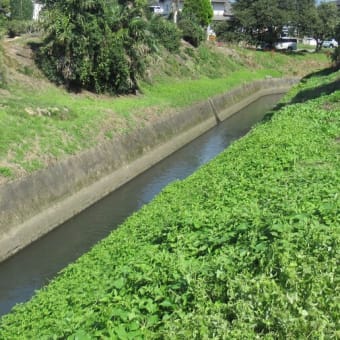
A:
x: 286, y: 43
x: 309, y: 41
x: 330, y: 43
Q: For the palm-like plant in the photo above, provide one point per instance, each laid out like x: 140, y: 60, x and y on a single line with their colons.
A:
x: 99, y: 45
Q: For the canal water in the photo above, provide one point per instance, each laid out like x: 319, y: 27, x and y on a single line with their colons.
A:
x: 34, y: 266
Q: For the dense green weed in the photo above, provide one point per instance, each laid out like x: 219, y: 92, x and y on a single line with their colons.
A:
x: 247, y: 247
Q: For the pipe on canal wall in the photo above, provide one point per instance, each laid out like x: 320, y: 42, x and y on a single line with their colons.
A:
x: 34, y: 205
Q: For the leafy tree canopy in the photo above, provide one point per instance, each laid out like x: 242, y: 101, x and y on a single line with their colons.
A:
x: 4, y: 12
x: 21, y: 9
x: 4, y: 7
x: 302, y: 16
x: 262, y: 19
x: 199, y: 10
x: 327, y: 20
x: 319, y: 21
x: 337, y: 32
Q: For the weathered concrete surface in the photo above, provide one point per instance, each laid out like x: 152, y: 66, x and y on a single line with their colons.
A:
x: 233, y: 101
x: 32, y: 206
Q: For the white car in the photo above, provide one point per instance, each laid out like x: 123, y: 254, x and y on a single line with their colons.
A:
x: 330, y: 43
x: 286, y: 43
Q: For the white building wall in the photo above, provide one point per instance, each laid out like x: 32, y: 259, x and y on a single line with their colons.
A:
x: 218, y: 9
x: 36, y: 10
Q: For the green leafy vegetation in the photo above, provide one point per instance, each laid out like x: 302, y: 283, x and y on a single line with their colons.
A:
x: 166, y: 33
x: 4, y: 13
x: 18, y: 27
x: 192, y: 32
x: 325, y: 22
x: 21, y: 9
x: 336, y: 54
x: 266, y: 20
x: 261, y: 20
x: 200, y: 11
x: 16, y: 17
x: 194, y: 20
x: 5, y: 172
x: 100, y: 46
x: 247, y: 247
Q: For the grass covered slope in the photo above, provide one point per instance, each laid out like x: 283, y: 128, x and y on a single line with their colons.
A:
x: 41, y: 123
x: 246, y: 247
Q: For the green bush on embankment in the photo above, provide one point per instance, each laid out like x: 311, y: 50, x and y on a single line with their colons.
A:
x: 245, y: 247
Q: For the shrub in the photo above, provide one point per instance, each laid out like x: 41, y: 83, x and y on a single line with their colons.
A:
x: 166, y: 33
x: 201, y: 10
x: 18, y: 27
x: 192, y: 32
x: 100, y: 46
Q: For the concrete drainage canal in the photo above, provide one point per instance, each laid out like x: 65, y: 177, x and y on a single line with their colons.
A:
x: 35, y: 265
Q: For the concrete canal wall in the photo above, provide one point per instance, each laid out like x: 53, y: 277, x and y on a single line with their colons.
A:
x: 32, y: 206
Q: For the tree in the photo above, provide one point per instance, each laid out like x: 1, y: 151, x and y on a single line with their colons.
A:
x: 314, y: 21
x: 4, y: 13
x: 261, y: 20
x: 97, y: 45
x: 21, y: 9
x: 303, y: 16
x: 336, y: 53
x: 199, y: 10
x: 194, y: 19
x: 337, y: 33
x: 227, y: 31
x: 325, y: 23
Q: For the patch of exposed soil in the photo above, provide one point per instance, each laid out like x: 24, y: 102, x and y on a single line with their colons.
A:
x: 21, y: 68
x: 19, y: 53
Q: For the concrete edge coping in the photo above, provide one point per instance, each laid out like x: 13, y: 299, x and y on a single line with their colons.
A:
x: 23, y: 233
x: 228, y: 112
